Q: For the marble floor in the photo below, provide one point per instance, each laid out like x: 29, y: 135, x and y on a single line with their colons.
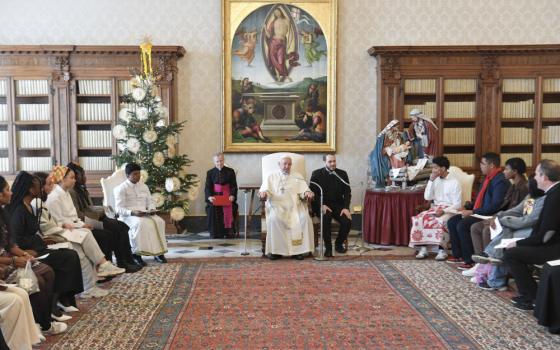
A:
x: 200, y: 245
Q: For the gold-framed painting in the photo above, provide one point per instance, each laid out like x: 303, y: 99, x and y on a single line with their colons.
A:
x: 279, y: 75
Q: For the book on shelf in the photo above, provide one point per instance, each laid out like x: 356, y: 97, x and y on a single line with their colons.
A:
x: 551, y: 156
x: 96, y: 163
x: 461, y: 160
x: 94, y: 139
x: 4, y: 165
x: 34, y: 139
x: 551, y: 110
x: 517, y: 136
x: 521, y: 109
x: 551, y: 134
x: 3, y: 90
x: 125, y: 87
x: 3, y: 112
x: 94, y: 111
x: 518, y: 85
x: 420, y: 86
x: 3, y: 139
x: 35, y: 163
x: 551, y: 85
x: 464, y: 109
x: 458, y: 136
x: 32, y: 87
x: 94, y: 87
x: 428, y: 109
x: 459, y: 86
x: 527, y: 157
x: 33, y: 111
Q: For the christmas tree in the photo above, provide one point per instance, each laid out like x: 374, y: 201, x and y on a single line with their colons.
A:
x: 144, y: 137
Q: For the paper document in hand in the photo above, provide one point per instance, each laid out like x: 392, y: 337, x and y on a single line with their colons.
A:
x: 506, y: 241
x: 56, y: 246
x: 483, y: 217
x: 554, y: 262
x: 98, y: 225
x: 42, y: 256
x: 75, y: 236
x: 496, y: 231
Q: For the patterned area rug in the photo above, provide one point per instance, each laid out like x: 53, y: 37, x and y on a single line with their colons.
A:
x: 262, y: 304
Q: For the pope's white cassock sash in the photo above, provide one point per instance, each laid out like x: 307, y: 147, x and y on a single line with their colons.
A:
x: 288, y: 225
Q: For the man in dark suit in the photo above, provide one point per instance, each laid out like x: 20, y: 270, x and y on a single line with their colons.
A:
x: 336, y: 202
x: 221, y: 181
x: 544, y: 242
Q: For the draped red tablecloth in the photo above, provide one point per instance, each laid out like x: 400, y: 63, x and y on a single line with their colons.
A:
x: 387, y: 215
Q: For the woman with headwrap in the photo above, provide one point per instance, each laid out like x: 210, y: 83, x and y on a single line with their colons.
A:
x: 88, y: 250
x: 118, y: 229
x: 24, y: 229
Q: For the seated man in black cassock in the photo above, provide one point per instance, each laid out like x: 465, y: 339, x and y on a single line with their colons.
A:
x: 336, y: 202
x: 221, y: 195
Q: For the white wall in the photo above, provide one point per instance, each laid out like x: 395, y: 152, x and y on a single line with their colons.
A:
x: 196, y: 25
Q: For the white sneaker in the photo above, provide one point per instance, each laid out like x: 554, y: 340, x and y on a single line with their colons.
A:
x: 56, y: 328
x: 423, y: 253
x: 40, y: 333
x: 94, y: 292
x: 61, y: 318
x: 67, y: 309
x: 108, y: 269
x: 470, y: 272
x: 441, y: 255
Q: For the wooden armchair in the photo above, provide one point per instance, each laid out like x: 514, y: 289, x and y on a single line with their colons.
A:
x: 108, y: 185
x: 465, y: 180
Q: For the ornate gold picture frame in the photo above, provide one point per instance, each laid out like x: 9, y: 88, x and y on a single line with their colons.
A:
x: 279, y: 71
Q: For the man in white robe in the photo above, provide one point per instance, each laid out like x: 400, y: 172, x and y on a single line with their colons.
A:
x: 288, y: 224
x: 133, y: 202
x: 429, y: 228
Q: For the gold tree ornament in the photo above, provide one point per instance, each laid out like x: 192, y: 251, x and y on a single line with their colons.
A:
x: 146, y: 55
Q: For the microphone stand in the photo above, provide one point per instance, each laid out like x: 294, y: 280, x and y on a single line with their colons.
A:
x: 245, y: 252
x: 321, y: 256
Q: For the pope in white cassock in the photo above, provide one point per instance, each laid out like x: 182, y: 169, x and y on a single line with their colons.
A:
x: 133, y: 202
x: 289, y: 230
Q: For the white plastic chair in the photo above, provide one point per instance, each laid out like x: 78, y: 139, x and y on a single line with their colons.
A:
x: 466, y: 181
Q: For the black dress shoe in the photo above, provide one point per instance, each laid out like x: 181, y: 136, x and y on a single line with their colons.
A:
x: 525, y: 305
x: 139, y: 260
x: 299, y: 257
x: 160, y: 258
x: 328, y: 253
x: 274, y: 256
x: 340, y: 250
x: 132, y: 268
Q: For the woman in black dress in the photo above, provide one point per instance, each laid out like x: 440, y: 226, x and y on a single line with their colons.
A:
x: 24, y: 229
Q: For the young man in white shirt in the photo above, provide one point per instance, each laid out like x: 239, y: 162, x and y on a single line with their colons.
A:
x: 134, y: 205
x: 429, y: 228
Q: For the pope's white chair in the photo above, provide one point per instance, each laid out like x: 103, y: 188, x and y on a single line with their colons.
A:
x: 108, y: 185
x: 465, y: 180
x: 270, y: 165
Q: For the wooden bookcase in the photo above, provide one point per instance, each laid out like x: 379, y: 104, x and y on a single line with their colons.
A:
x: 59, y: 104
x: 504, y: 99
